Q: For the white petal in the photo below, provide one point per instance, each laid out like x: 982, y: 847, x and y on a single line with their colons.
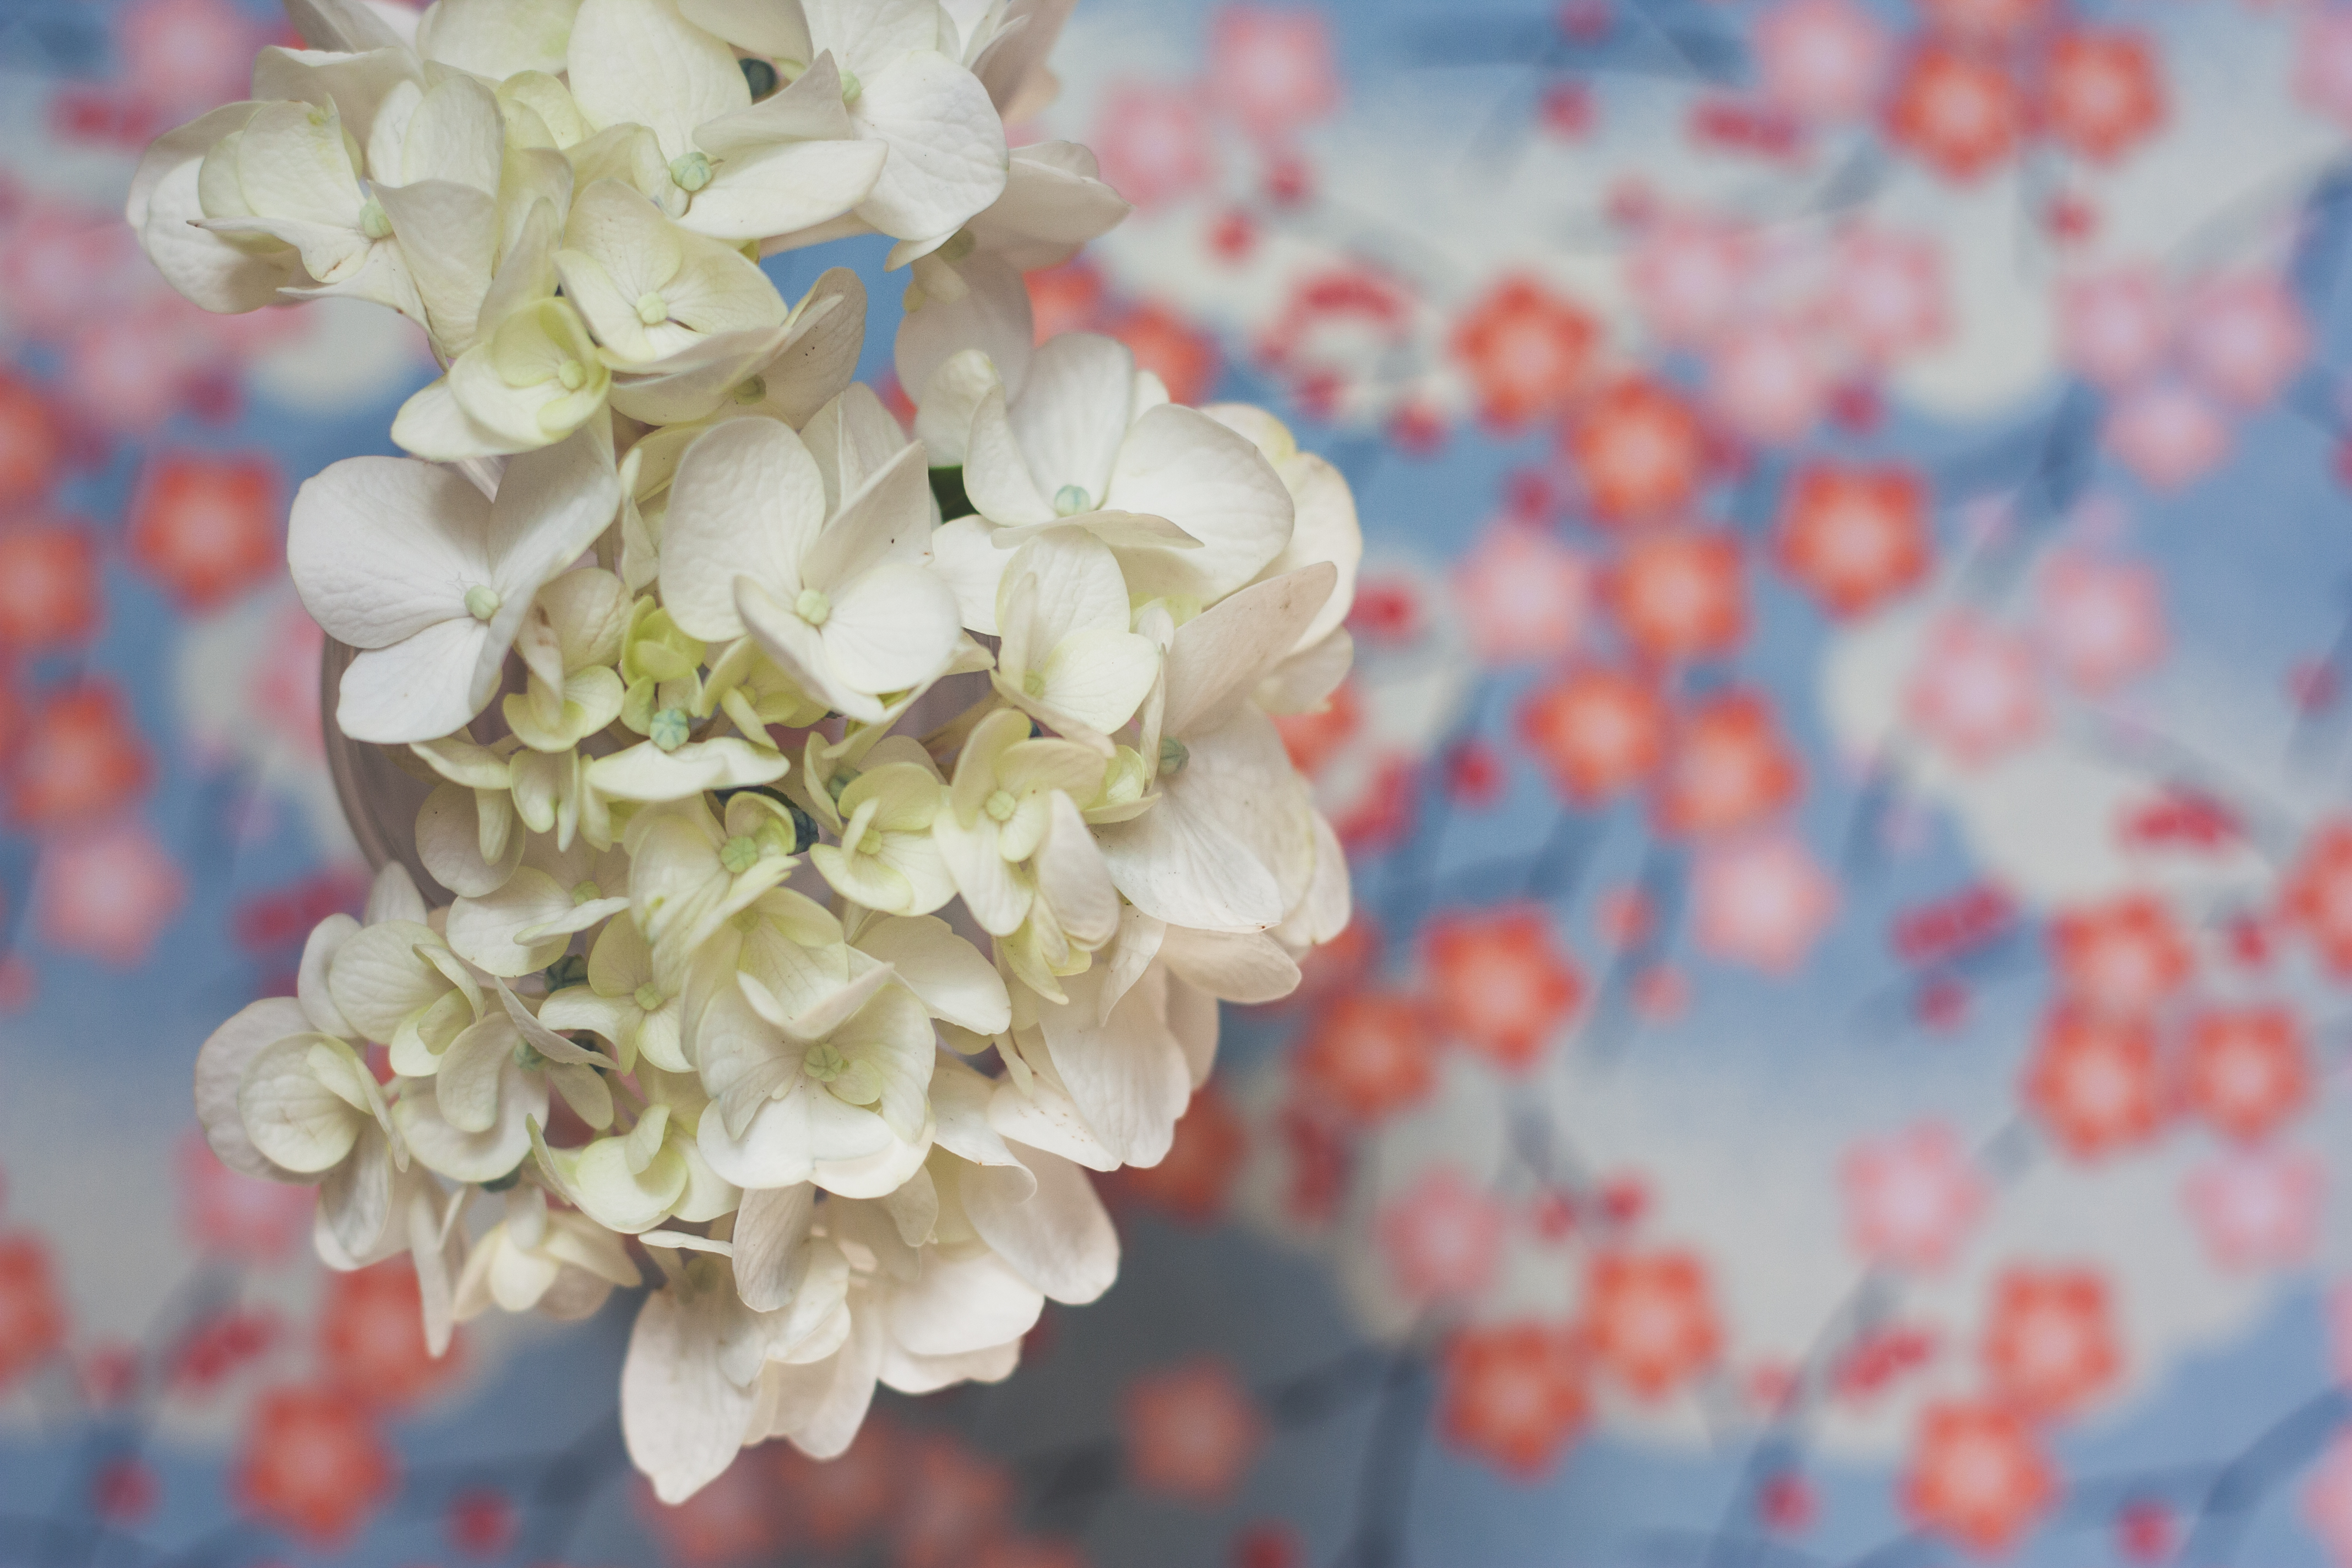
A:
x: 449, y: 841
x: 909, y: 1373
x: 456, y: 135
x: 992, y: 320
x: 487, y: 930
x: 998, y: 899
x: 891, y: 629
x: 771, y: 1235
x: 1126, y: 1074
x: 869, y: 35
x: 1097, y: 678
x: 1179, y: 464
x: 821, y: 1404
x: 1047, y: 1118
x: 947, y: 146
x: 1073, y: 413
x: 746, y: 503
x: 319, y: 949
x: 1073, y: 878
x: 640, y: 60
x: 220, y: 1071
x: 645, y: 772
x: 1213, y: 853
x: 1192, y: 1019
x: 785, y: 189
x: 949, y: 974
x: 381, y: 548
x: 355, y: 1202
x: 419, y: 690
x: 1239, y: 966
x: 962, y: 1305
x: 1058, y: 1237
x: 761, y: 26
x: 996, y: 475
x: 683, y: 1419
x: 1220, y: 656
x: 964, y: 558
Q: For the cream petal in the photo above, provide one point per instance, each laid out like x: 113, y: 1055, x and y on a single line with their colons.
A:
x: 682, y: 1419
x: 1179, y: 464
x: 996, y: 897
x: 220, y: 1072
x: 891, y: 627
x: 1239, y: 966
x: 319, y: 949
x: 1073, y: 413
x: 1126, y: 1074
x: 294, y: 1120
x: 417, y: 690
x: 1220, y: 655
x: 947, y: 145
x: 498, y: 38
x: 961, y: 1305
x: 947, y: 973
x: 640, y: 60
x: 381, y: 548
x: 1052, y: 1229
x: 489, y: 932
x: 464, y: 1156
x: 748, y: 501
x: 1209, y: 854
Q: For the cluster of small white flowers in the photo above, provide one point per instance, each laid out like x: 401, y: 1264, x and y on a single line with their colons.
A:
x: 841, y: 993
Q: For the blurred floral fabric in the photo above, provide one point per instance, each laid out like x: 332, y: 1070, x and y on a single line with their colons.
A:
x: 1842, y: 1056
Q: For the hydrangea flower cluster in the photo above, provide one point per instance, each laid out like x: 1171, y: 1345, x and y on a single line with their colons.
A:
x: 846, y: 838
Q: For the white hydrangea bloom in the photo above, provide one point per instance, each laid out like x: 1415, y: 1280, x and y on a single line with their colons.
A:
x: 840, y: 1004
x: 432, y: 580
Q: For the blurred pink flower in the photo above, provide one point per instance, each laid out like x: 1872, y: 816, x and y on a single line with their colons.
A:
x: 1974, y: 691
x: 2257, y: 1208
x: 1524, y: 596
x: 1271, y: 69
x: 1767, y: 382
x: 1686, y: 277
x: 108, y: 894
x: 1763, y: 903
x: 2112, y: 328
x: 2100, y: 622
x: 1192, y: 1431
x: 2243, y: 338
x: 2323, y: 78
x: 181, y: 57
x: 1444, y: 1238
x: 2328, y: 1500
x: 1821, y: 60
x: 1152, y: 142
x: 2168, y: 433
x: 1887, y: 292
x: 237, y: 1215
x: 1911, y: 1197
